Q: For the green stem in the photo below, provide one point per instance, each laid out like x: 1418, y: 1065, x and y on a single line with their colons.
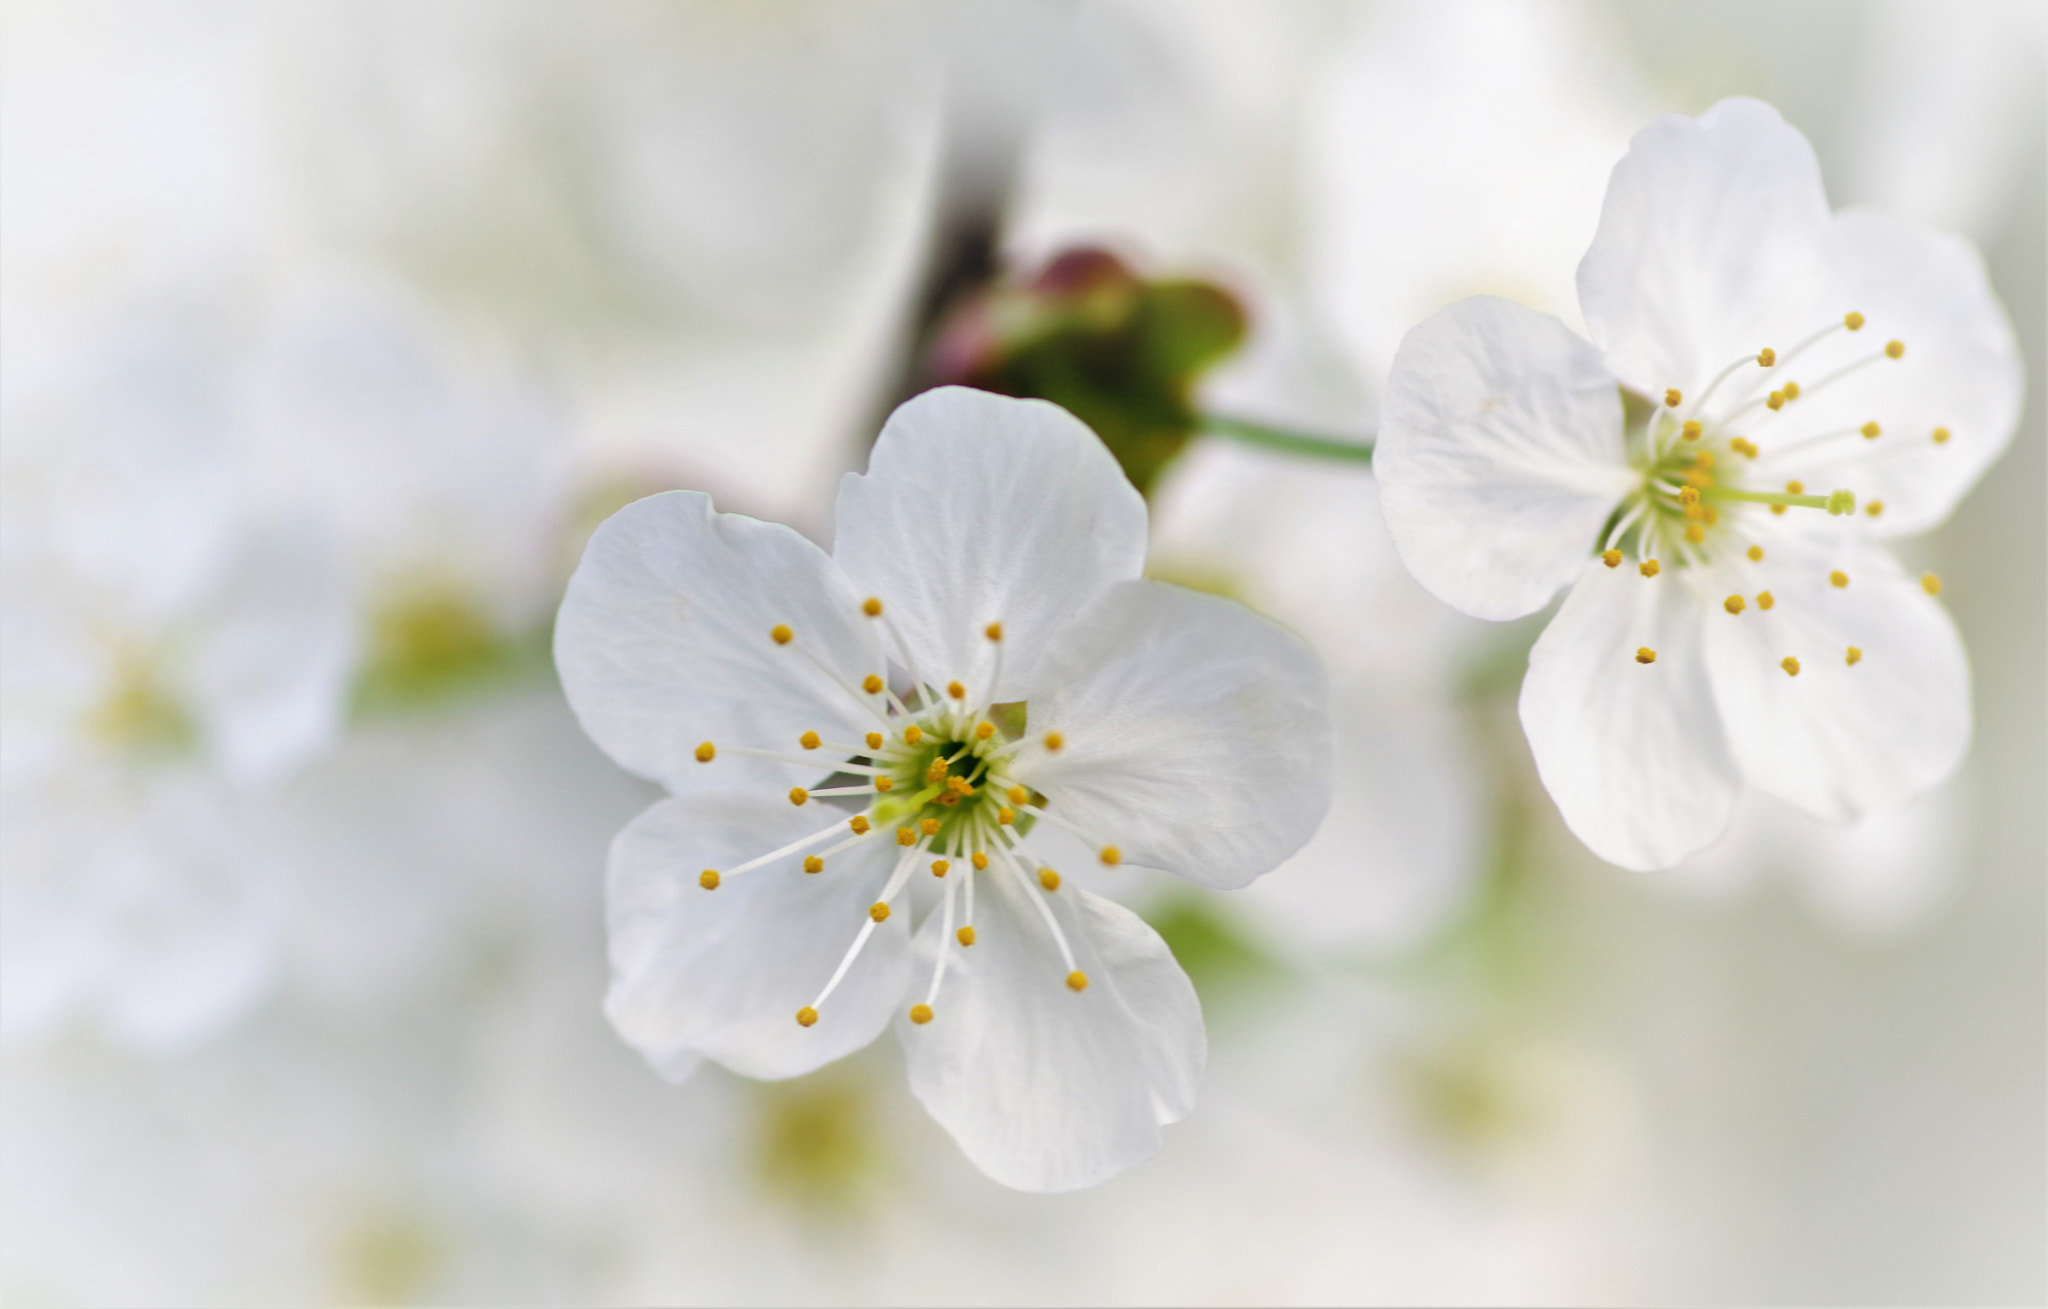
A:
x: 1837, y: 503
x: 1346, y: 449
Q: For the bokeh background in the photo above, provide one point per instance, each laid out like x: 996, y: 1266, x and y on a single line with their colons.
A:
x: 329, y: 328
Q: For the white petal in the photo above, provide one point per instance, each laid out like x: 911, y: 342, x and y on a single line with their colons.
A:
x: 976, y: 509
x: 1043, y: 1087
x: 722, y: 973
x: 1961, y: 372
x: 1500, y: 455
x: 1631, y: 752
x: 1196, y: 733
x: 664, y: 642
x: 1712, y: 238
x: 1839, y: 740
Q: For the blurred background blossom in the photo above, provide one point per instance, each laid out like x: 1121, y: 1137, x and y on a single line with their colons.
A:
x: 328, y: 330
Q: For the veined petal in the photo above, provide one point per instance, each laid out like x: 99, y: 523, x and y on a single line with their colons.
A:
x: 1195, y: 735
x: 665, y: 640
x: 1629, y: 749
x: 1043, y: 1087
x: 1960, y: 373
x: 1500, y: 455
x: 1839, y: 738
x: 721, y: 973
x: 979, y: 509
x: 1712, y: 238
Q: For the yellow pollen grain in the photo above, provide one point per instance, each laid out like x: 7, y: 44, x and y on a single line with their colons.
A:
x: 1111, y: 855
x: 906, y: 836
x: 708, y: 879
x: 1853, y: 321
x: 941, y: 867
x: 1648, y: 568
x: 957, y: 691
x: 1695, y: 533
x: 979, y: 860
x: 1077, y: 980
x: 1777, y: 400
x: 935, y: 771
x: 814, y: 863
x: 1018, y: 795
x: 928, y: 826
x: 799, y: 796
x: 781, y: 634
x: 874, y: 740
x: 957, y: 785
x: 1756, y: 554
x: 965, y: 936
x: 1053, y: 740
x: 859, y: 823
x: 1612, y: 558
x: 1871, y: 431
x: 1688, y: 495
x: 920, y: 1014
x: 1764, y: 599
x: 1894, y: 349
x: 706, y: 753
x: 1691, y: 430
x: 1874, y: 508
x: 806, y: 1017
x: 1695, y: 513
x: 1048, y: 879
x: 1790, y: 665
x: 994, y: 631
x: 872, y: 607
x: 983, y: 731
x: 1777, y: 509
x: 1767, y: 357
x: 1713, y: 515
x: 913, y: 734
x: 1795, y: 488
x: 1839, y: 578
x: 1673, y: 397
x: 872, y: 684
x: 1645, y: 655
x: 1930, y: 583
x: 1703, y: 458
x: 1854, y: 657
x: 1941, y: 436
x: 1734, y: 604
x: 879, y: 912
x: 885, y: 783
x: 1006, y: 815
x: 809, y: 740
x: 1699, y: 478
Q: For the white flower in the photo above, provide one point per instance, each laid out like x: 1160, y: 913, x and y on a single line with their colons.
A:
x: 1748, y: 347
x: 977, y: 659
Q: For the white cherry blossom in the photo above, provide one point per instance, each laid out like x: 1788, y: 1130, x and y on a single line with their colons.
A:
x: 976, y: 677
x: 1755, y: 359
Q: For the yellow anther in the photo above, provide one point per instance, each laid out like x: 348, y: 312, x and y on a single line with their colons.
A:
x: 1853, y: 321
x: 1112, y: 856
x: 1777, y: 509
x: 1871, y: 431
x: 1895, y: 349
x: 708, y: 879
x: 1695, y: 533
x: 885, y: 783
x: 1673, y: 397
x: 1767, y: 357
x: 949, y: 799
x: 872, y: 684
x: 1645, y: 655
x: 941, y: 867
x: 806, y: 1016
x: 1006, y: 815
x: 994, y: 631
x: 1688, y: 495
x: 1018, y: 795
x: 1691, y: 430
x: 1734, y: 604
x: 1930, y: 583
x: 1790, y: 665
x: 920, y: 1014
x: 983, y: 731
x: 913, y: 734
x: 906, y: 836
x: 874, y: 740
x: 979, y: 860
x: 1854, y: 657
x: 1764, y: 599
x: 879, y: 912
x: 957, y: 785
x: 965, y: 936
x: 814, y: 863
x: 1077, y: 980
x: 935, y: 772
x: 957, y: 691
x: 1612, y: 558
x: 1695, y: 513
x: 1743, y: 446
x: 1053, y: 740
x: 1796, y: 487
x: 872, y: 607
x: 928, y: 826
x: 1839, y: 578
x: 1713, y: 515
x: 1699, y: 478
x: 797, y: 795
x: 1874, y: 508
x: 781, y: 634
x: 1791, y: 391
x: 1777, y: 401
x: 706, y: 752
x: 859, y: 823
x: 1648, y: 568
x: 1756, y: 554
x: 809, y: 740
x: 1703, y: 458
x: 1048, y: 879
